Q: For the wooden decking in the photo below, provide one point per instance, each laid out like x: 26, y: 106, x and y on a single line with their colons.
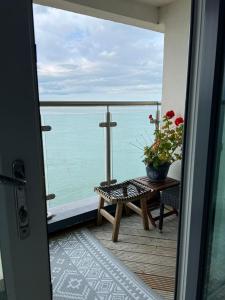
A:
x: 150, y: 254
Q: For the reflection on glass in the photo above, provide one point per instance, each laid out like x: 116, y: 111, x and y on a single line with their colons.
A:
x: 132, y: 133
x: 73, y: 153
x: 215, y: 272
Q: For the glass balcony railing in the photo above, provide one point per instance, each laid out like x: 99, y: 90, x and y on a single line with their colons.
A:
x: 132, y: 133
x: 91, y: 144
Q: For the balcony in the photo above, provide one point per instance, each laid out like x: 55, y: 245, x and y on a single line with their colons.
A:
x: 100, y: 143
x: 92, y: 144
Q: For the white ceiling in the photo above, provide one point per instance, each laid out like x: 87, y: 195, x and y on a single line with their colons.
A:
x: 156, y: 3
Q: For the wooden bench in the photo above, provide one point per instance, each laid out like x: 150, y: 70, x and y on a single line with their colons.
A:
x: 123, y: 194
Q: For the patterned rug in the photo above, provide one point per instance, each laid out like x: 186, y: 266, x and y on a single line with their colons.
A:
x: 83, y: 270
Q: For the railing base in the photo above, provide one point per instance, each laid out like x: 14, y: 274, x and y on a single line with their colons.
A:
x: 105, y: 183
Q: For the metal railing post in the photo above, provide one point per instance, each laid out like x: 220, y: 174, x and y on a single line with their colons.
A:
x: 157, y: 117
x: 156, y: 120
x: 46, y: 128
x: 108, y: 148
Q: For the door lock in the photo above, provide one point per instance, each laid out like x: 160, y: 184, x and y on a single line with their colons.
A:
x: 21, y: 199
x: 19, y: 184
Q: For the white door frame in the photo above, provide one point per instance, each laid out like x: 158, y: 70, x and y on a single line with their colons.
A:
x: 25, y: 262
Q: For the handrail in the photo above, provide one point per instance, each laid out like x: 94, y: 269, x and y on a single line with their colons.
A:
x: 97, y: 103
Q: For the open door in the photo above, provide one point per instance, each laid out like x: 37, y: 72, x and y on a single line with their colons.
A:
x: 23, y: 227
x: 200, y: 272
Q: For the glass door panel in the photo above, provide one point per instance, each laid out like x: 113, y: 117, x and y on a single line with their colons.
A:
x: 215, y: 267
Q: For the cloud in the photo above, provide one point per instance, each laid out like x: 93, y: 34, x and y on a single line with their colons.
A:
x: 86, y: 58
x: 108, y: 53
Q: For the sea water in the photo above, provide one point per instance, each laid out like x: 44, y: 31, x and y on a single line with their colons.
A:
x: 74, y: 150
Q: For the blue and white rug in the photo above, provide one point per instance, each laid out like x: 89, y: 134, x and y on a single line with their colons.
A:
x: 83, y: 270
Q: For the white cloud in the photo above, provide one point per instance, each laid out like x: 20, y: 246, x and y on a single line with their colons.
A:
x: 85, y: 58
x: 52, y: 70
x: 108, y: 53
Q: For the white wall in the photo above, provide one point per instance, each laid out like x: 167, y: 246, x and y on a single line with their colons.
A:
x: 176, y: 19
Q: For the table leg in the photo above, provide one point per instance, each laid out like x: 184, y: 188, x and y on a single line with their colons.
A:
x: 144, y: 210
x: 101, y: 205
x: 161, y: 216
x: 127, y: 210
x: 116, y: 225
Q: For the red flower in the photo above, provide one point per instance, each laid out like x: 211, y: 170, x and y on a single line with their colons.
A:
x: 150, y: 117
x: 179, y: 121
x: 170, y: 114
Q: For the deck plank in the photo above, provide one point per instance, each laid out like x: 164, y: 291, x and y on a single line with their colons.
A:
x: 152, y: 269
x: 151, y: 255
x: 168, y: 233
x: 158, y: 282
x: 142, y: 240
x: 145, y: 258
x: 157, y: 250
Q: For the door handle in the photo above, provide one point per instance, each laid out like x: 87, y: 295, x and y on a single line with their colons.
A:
x: 11, y: 181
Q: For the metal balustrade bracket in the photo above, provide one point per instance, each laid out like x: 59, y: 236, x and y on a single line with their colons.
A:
x: 108, y: 124
x: 50, y: 197
x: 106, y: 183
x: 46, y: 128
x: 49, y: 215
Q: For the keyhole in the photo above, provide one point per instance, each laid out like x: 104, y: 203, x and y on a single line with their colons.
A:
x: 23, y: 214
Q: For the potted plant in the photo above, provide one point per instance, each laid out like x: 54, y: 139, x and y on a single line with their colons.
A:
x: 167, y: 147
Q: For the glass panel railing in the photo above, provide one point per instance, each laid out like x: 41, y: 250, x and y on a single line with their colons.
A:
x: 73, y: 154
x: 132, y: 133
x: 90, y: 145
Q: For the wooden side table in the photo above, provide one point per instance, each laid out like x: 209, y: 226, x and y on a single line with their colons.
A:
x: 158, y: 187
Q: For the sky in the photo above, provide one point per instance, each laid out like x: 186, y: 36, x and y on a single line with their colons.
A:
x: 86, y: 58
